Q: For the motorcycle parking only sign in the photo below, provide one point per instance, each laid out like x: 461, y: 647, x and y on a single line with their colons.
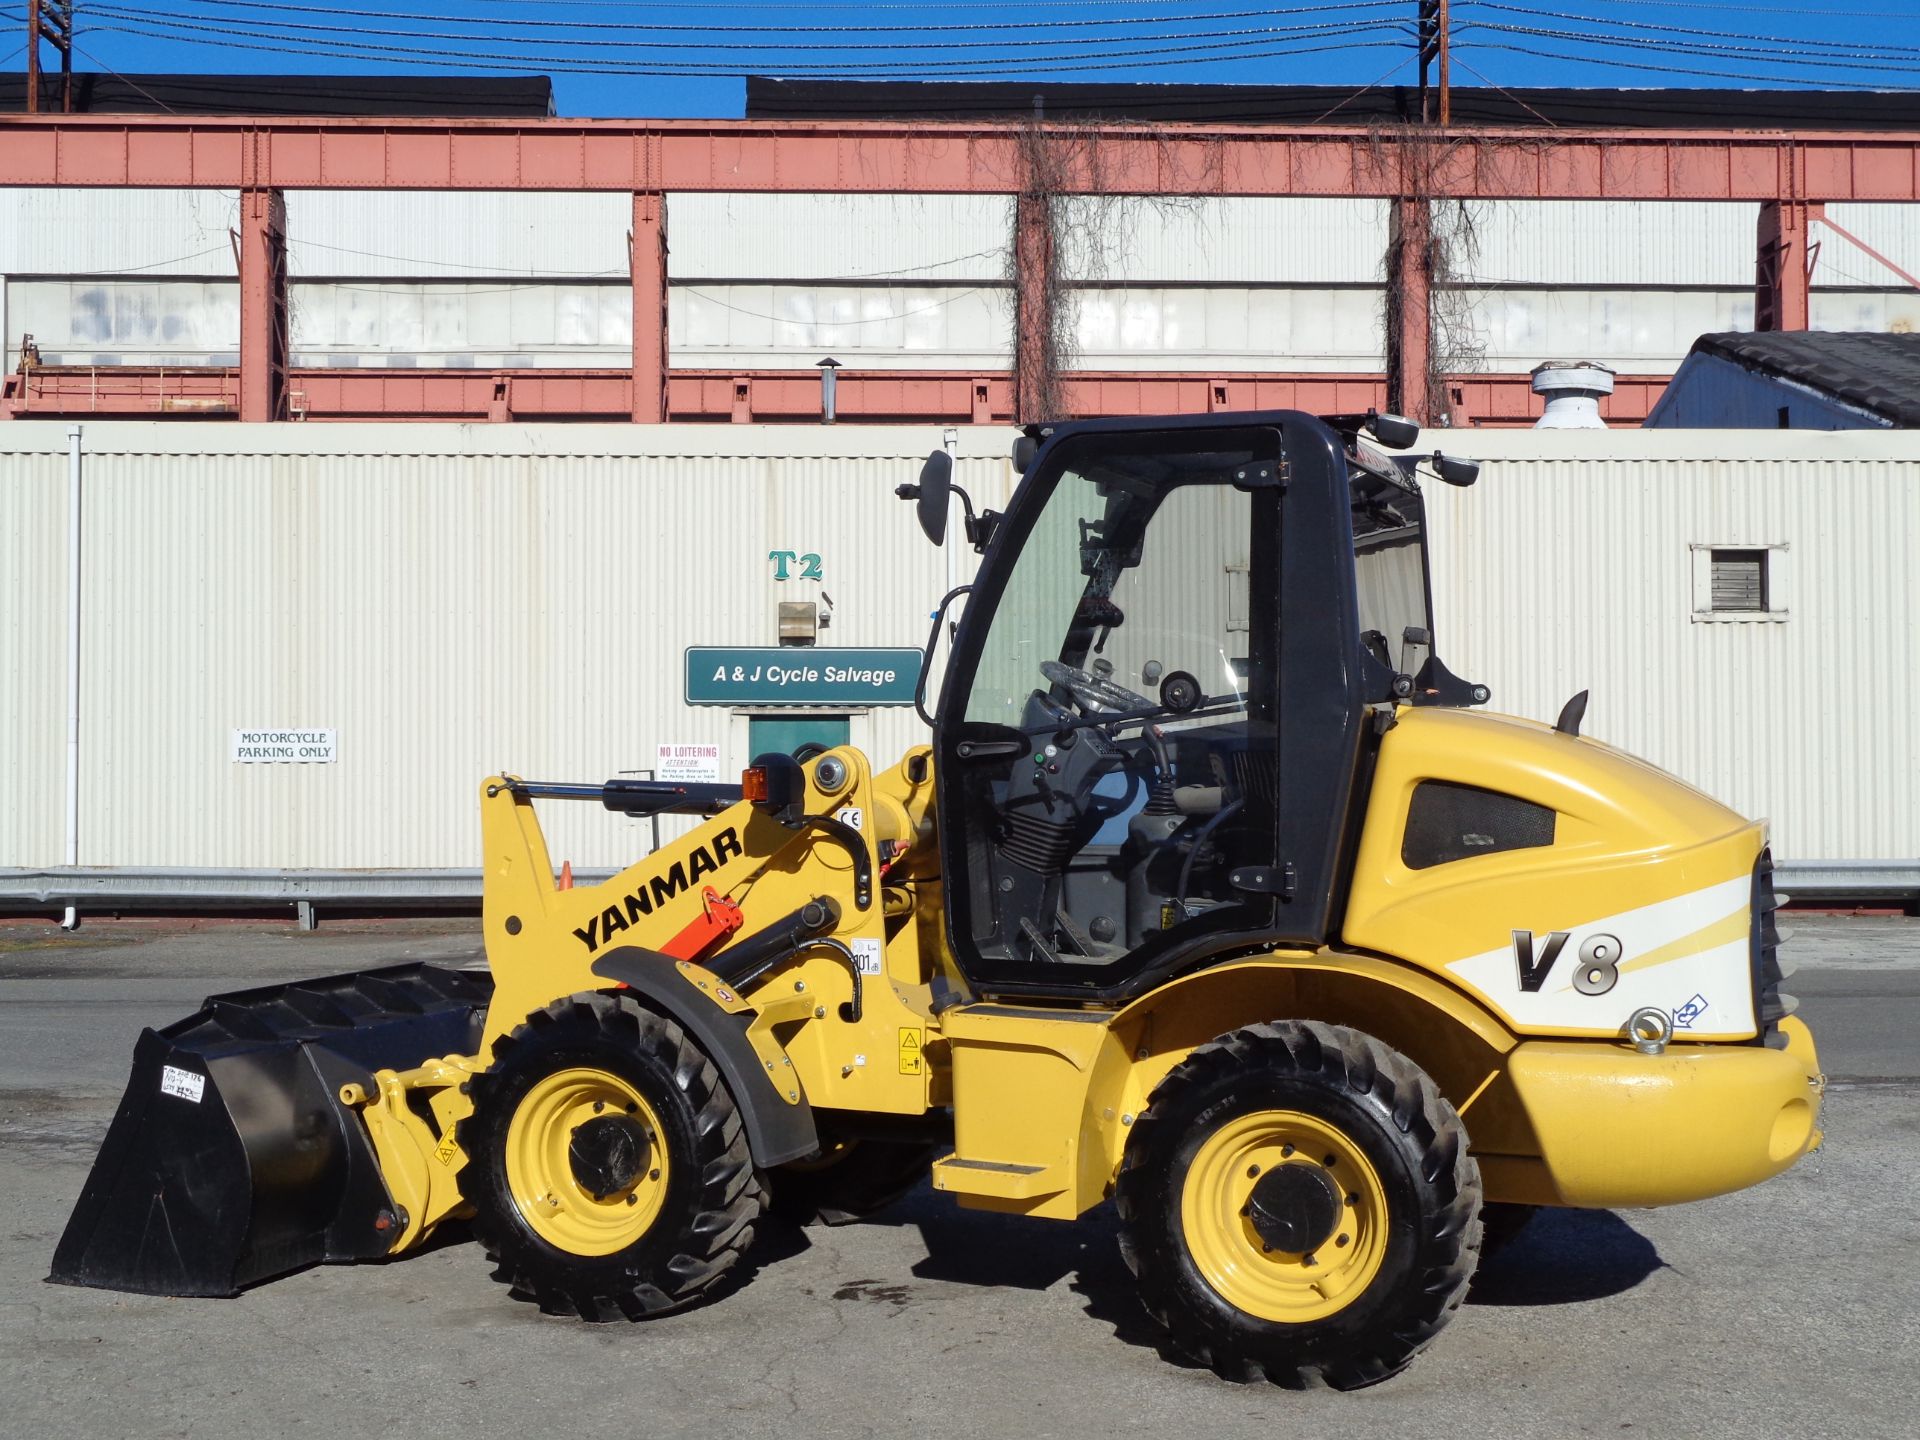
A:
x: 285, y: 747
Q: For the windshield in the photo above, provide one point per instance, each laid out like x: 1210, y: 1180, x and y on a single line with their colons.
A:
x: 1135, y: 570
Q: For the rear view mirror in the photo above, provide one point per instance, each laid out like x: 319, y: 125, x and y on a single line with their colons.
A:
x: 1024, y: 449
x: 1394, y: 430
x: 936, y: 487
x: 1454, y: 470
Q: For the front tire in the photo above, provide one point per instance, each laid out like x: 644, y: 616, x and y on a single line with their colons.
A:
x: 1299, y: 1205
x: 607, y: 1164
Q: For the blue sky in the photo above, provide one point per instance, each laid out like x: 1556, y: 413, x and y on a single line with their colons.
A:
x: 695, y: 50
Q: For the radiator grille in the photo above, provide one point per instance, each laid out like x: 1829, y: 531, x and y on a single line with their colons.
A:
x: 1770, y: 1005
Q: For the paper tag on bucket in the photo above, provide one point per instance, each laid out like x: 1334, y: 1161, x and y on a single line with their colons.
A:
x: 184, y: 1083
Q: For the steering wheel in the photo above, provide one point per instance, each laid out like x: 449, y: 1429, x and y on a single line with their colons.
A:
x: 1095, y: 695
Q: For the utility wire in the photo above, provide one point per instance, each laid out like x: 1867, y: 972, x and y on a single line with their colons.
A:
x: 1016, y: 67
x: 833, y: 324
x: 305, y: 32
x: 1651, y: 68
x: 1745, y: 54
x: 1690, y: 31
x: 491, y: 27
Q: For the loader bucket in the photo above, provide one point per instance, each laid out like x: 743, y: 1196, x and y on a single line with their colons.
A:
x: 231, y: 1158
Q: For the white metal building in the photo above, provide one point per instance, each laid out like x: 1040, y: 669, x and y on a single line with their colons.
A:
x: 488, y: 280
x: 450, y: 601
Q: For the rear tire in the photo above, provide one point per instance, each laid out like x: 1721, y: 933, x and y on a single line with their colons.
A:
x: 1299, y: 1205
x: 607, y: 1165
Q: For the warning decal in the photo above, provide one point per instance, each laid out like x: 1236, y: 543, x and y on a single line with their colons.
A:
x: 909, y: 1050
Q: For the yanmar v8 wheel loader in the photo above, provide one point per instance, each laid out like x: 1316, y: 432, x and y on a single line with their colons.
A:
x: 1212, y: 896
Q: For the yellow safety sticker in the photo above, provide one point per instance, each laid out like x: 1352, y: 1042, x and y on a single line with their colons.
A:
x: 446, y: 1149
x: 909, y: 1050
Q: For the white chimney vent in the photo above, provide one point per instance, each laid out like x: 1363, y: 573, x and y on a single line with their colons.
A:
x: 1572, y: 389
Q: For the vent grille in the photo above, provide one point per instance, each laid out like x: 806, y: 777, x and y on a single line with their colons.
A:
x: 1447, y: 822
x: 1739, y: 580
x: 1770, y: 1006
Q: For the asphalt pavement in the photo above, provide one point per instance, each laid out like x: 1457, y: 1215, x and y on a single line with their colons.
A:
x: 1790, y: 1310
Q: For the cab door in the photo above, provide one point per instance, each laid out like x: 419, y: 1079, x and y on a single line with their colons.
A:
x: 1108, y: 736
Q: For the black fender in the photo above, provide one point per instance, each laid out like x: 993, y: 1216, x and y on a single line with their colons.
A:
x: 777, y: 1129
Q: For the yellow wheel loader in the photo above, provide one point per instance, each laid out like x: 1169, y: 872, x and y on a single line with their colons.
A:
x: 1213, y: 895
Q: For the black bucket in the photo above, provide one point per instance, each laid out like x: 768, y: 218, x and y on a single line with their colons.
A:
x: 231, y: 1159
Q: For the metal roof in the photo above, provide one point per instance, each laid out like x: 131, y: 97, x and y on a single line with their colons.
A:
x: 1580, y: 108
x: 1875, y: 372
x: 436, y: 96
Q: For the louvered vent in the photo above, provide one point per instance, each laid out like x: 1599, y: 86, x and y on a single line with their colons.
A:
x: 1740, y: 580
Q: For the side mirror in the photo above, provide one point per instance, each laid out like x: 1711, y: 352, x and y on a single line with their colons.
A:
x: 1024, y: 449
x: 1454, y: 470
x: 1395, y: 430
x: 936, y: 488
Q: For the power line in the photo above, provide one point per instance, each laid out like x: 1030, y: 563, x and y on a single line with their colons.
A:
x: 1841, y: 46
x: 835, y: 324
x: 1651, y: 68
x: 1823, y: 12
x: 309, y: 33
x: 602, y: 27
x: 1748, y: 54
x: 1017, y: 67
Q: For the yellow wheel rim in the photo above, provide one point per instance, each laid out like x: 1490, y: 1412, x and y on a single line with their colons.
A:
x: 1218, y: 1220
x: 541, y: 1169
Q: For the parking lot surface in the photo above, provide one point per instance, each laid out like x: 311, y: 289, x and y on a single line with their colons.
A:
x: 1785, y: 1311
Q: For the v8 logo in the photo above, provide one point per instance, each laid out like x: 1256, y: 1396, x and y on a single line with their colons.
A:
x: 1599, y: 968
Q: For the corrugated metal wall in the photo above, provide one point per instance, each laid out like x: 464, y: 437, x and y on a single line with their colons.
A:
x: 456, y: 599
x: 1567, y: 567
x: 454, y: 234
x: 33, y: 638
x: 451, y: 600
x: 404, y: 278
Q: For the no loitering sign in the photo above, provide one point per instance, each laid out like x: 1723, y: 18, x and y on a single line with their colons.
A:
x: 286, y: 747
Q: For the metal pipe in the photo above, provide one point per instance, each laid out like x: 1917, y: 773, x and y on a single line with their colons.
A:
x: 829, y: 386
x: 71, y: 920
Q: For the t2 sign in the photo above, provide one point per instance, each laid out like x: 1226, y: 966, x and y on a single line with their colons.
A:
x: 809, y: 565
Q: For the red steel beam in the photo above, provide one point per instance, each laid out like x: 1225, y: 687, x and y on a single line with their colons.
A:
x: 315, y: 153
x: 1033, y: 317
x: 1410, y: 309
x: 128, y: 392
x: 1783, y: 277
x: 263, y: 305
x: 647, y: 246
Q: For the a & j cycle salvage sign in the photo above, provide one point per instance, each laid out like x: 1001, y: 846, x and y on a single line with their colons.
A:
x: 796, y: 675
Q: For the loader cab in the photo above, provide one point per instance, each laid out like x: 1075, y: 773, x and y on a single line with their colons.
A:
x: 1153, y: 737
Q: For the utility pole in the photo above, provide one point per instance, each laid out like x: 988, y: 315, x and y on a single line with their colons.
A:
x: 50, y: 21
x: 1428, y: 29
x: 1446, y: 75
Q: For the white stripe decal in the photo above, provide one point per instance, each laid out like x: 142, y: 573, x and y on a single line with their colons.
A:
x: 1708, y: 992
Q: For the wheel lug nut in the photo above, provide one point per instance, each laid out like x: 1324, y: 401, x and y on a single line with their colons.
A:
x: 1252, y: 1170
x: 1286, y: 1150
x: 635, y: 1200
x: 1308, y: 1259
x: 1353, y: 1199
x: 598, y: 1106
x: 653, y: 1175
x: 1342, y: 1240
x: 1328, y: 1162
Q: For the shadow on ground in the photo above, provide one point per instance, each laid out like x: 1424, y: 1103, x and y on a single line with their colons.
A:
x: 1563, y: 1257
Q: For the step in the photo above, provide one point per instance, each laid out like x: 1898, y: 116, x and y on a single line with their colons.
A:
x: 999, y: 1179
